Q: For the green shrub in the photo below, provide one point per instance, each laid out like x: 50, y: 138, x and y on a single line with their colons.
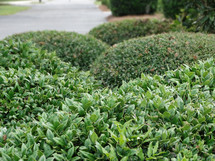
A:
x: 171, y: 8
x: 128, y: 7
x: 79, y: 50
x: 200, y: 15
x: 25, y: 93
x: 168, y: 117
x: 25, y: 55
x: 115, y: 32
x: 33, y: 81
x: 195, y: 15
x: 153, y: 54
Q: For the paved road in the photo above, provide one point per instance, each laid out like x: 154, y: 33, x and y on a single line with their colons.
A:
x: 64, y: 15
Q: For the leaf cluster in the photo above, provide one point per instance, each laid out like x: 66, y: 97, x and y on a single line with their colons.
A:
x: 33, y: 81
x: 200, y: 15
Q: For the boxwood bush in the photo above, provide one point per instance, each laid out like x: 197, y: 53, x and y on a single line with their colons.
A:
x: 33, y: 81
x: 153, y: 54
x: 115, y: 32
x: 79, y: 50
x: 168, y: 117
x: 134, y: 7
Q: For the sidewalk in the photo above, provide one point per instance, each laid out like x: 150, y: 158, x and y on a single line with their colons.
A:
x: 63, y: 15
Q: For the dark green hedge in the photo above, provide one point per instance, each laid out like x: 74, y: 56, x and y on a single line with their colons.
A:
x: 115, y: 32
x: 171, y: 8
x: 131, y: 7
x: 79, y: 50
x: 153, y: 54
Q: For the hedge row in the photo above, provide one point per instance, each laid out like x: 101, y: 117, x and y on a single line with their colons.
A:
x: 153, y: 54
x: 128, y: 7
x: 168, y: 117
x: 77, y: 49
x: 172, y: 8
x: 115, y: 32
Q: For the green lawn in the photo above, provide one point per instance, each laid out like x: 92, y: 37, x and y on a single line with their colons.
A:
x: 10, y: 0
x: 9, y: 9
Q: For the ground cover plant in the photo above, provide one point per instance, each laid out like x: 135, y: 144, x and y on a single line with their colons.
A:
x: 33, y: 81
x: 152, y: 54
x: 168, y: 117
x: 77, y: 49
x: 115, y: 32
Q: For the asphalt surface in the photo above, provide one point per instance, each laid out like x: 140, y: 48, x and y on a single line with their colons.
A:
x: 63, y: 15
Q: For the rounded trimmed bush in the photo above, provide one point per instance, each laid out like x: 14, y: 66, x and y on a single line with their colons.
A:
x: 153, y: 54
x: 115, y: 32
x: 33, y: 81
x: 171, y: 8
x: 79, y: 50
x: 134, y: 7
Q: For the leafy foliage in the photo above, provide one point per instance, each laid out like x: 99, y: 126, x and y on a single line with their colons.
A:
x: 79, y: 50
x: 200, y: 15
x: 115, y: 32
x: 172, y: 8
x: 25, y: 55
x: 33, y: 81
x: 127, y: 7
x: 50, y: 111
x: 153, y: 54
x: 196, y: 15
x: 25, y: 93
x: 168, y: 117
